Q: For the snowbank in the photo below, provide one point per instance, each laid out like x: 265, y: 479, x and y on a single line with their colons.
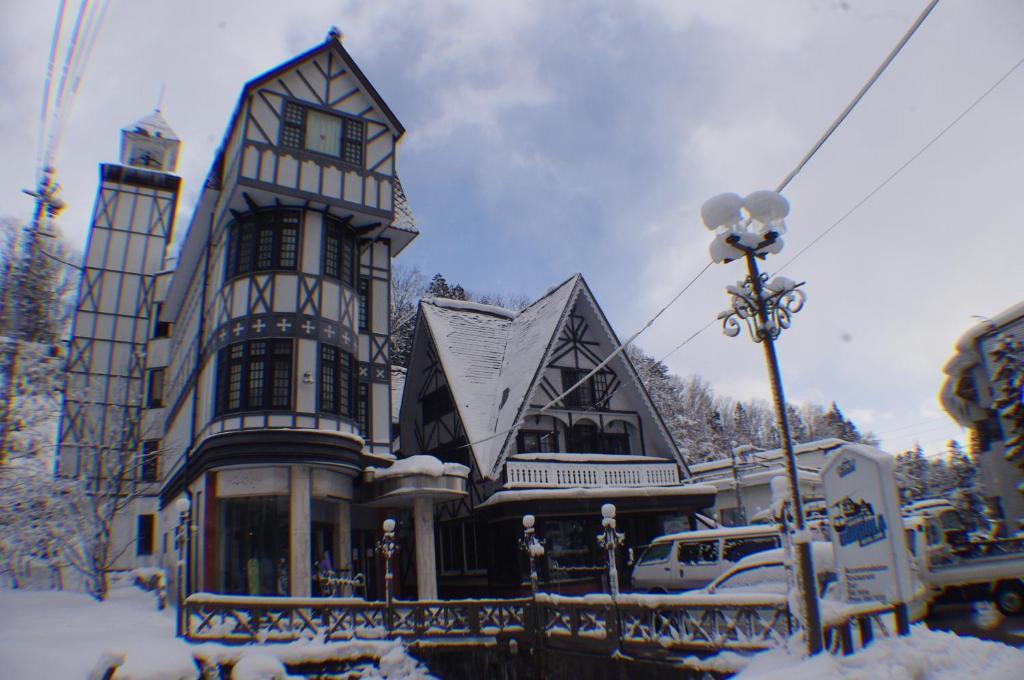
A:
x: 923, y: 655
x: 51, y: 634
x: 420, y: 465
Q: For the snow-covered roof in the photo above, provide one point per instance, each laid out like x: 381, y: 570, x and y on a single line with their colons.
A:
x: 606, y: 492
x: 153, y: 125
x: 490, y: 357
x: 420, y: 465
x: 722, y: 532
x: 818, y: 445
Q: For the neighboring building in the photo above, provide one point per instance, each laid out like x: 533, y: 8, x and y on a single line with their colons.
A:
x: 968, y: 395
x: 254, y: 378
x: 477, y: 393
x: 750, y: 472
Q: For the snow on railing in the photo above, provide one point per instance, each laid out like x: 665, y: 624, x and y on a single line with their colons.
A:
x: 573, y: 475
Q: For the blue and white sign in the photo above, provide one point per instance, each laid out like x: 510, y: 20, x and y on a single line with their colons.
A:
x: 867, y: 529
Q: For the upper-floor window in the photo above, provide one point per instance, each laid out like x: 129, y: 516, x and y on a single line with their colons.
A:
x: 592, y: 394
x: 155, y: 398
x: 321, y: 132
x: 254, y: 376
x: 263, y: 240
x: 364, y: 303
x: 336, y: 381
x: 531, y: 441
x: 436, y: 404
x: 161, y: 329
x: 150, y: 459
x: 339, y: 251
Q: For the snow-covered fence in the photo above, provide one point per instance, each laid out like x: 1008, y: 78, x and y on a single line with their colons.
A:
x: 852, y: 628
x: 534, y: 474
x: 595, y: 623
x: 240, y: 619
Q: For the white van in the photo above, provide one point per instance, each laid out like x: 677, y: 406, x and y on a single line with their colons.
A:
x: 692, y: 559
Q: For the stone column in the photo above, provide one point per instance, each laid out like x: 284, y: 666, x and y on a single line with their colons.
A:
x: 298, y: 528
x: 426, y: 567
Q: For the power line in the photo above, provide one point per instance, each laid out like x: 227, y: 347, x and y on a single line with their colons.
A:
x: 912, y: 425
x: 860, y: 95
x: 904, y: 165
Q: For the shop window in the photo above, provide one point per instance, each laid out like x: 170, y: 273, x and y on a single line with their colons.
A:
x: 252, y: 546
x: 461, y: 547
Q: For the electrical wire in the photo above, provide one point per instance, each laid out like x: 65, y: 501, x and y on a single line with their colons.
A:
x: 62, y: 87
x: 44, y: 112
x: 905, y: 164
x: 860, y: 95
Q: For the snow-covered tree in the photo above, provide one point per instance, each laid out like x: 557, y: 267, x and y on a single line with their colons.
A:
x: 912, y: 475
x: 1008, y: 380
x: 408, y: 285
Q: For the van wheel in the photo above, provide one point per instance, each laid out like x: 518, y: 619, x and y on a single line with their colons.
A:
x: 1009, y: 598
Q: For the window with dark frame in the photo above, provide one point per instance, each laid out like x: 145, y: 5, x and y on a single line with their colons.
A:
x: 436, y: 404
x: 461, y: 547
x: 336, y: 381
x: 148, y: 465
x: 161, y: 329
x: 363, y: 409
x: 364, y: 303
x: 145, y: 535
x: 339, y: 249
x: 265, y: 240
x: 584, y: 438
x: 155, y: 396
x: 537, y: 441
x: 592, y: 394
x: 331, y: 134
x: 255, y: 375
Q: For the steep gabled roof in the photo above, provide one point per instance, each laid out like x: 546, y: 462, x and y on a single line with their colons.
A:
x: 491, y: 357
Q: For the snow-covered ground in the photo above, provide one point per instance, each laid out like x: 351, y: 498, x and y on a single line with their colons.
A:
x: 923, y: 655
x: 51, y: 634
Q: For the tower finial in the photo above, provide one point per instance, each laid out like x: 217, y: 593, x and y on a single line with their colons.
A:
x: 335, y: 33
x: 160, y: 98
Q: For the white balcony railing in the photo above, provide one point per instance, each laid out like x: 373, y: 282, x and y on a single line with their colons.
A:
x: 520, y: 475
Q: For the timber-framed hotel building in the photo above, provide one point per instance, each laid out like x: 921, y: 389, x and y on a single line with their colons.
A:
x: 252, y: 374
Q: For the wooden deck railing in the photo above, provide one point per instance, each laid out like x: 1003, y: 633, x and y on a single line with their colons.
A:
x: 594, y: 623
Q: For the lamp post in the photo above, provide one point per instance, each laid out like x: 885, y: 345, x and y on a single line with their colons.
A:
x: 751, y: 228
x: 610, y: 540
x: 534, y: 548
x: 388, y: 546
x: 183, y: 505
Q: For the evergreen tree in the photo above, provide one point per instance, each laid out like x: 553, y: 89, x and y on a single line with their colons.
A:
x: 439, y: 287
x: 912, y: 475
x: 967, y: 496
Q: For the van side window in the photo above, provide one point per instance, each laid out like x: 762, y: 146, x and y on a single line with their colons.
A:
x: 735, y: 549
x: 698, y: 552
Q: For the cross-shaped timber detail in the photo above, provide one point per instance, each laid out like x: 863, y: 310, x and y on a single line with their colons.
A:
x: 237, y: 330
x: 284, y: 325
x: 259, y: 326
x: 308, y: 327
x: 223, y: 333
x: 329, y: 331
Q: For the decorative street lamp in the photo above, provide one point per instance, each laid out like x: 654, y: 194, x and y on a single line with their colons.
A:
x: 751, y: 228
x: 182, y: 505
x: 610, y: 539
x: 388, y: 546
x: 534, y: 548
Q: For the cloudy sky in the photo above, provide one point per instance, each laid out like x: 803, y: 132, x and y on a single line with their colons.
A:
x: 546, y: 138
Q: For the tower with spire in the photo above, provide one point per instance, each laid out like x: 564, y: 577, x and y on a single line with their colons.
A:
x: 115, y: 349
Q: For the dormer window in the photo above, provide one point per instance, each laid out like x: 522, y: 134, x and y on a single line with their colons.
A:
x: 321, y: 132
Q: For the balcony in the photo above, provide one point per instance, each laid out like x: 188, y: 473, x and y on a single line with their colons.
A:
x: 563, y: 474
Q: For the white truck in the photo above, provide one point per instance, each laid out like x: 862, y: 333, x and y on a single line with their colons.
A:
x: 959, y: 568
